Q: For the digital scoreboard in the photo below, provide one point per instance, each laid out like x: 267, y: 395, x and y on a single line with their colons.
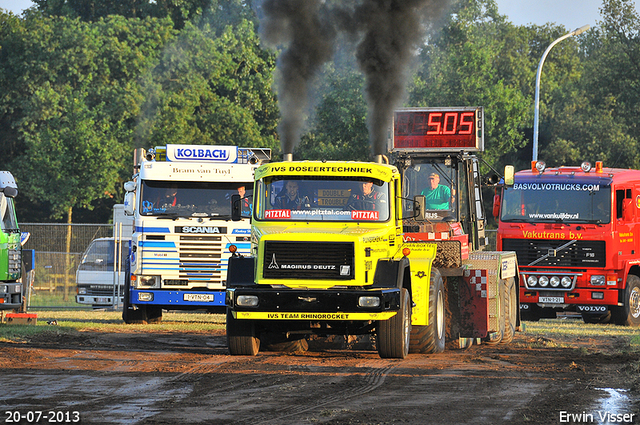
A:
x: 438, y: 129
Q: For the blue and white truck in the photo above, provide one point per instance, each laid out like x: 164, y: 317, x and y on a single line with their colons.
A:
x: 180, y: 200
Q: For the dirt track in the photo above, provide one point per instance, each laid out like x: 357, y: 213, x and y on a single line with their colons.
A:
x: 177, y: 378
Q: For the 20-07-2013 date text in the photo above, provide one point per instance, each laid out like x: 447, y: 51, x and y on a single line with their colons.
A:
x: 41, y: 416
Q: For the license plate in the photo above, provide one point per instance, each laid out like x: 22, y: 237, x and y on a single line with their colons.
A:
x: 199, y: 297
x: 103, y: 300
x: 551, y: 300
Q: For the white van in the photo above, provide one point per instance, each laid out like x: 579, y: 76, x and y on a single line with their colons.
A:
x: 98, y: 271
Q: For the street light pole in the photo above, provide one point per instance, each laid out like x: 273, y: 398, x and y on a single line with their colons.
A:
x: 537, y: 101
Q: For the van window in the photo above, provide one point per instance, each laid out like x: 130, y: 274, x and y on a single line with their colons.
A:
x: 99, y: 256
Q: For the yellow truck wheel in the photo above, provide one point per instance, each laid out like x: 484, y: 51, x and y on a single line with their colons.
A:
x: 241, y: 337
x: 393, y: 334
x: 431, y: 338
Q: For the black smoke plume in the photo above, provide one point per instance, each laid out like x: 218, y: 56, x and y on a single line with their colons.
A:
x: 389, y: 33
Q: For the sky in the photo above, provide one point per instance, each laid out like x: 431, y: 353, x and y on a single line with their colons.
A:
x: 570, y: 13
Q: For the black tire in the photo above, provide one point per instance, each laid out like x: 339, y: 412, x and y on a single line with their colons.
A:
x: 532, y: 314
x: 629, y: 313
x: 393, y: 334
x: 154, y: 314
x: 130, y: 315
x: 241, y: 336
x: 596, y: 318
x: 510, y: 310
x: 431, y: 338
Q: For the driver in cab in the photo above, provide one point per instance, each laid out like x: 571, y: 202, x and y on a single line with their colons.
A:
x: 369, y: 200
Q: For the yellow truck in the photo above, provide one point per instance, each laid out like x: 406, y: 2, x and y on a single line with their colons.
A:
x: 356, y: 248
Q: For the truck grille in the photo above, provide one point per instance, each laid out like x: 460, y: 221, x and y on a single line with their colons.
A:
x: 103, y: 290
x: 578, y: 254
x: 200, y: 258
x: 304, y: 260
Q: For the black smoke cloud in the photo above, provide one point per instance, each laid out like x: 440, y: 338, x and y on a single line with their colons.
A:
x: 389, y: 32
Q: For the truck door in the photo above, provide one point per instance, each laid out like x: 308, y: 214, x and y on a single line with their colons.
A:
x: 473, y: 218
x: 624, y: 237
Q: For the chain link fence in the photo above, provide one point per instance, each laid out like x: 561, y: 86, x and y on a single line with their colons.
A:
x: 58, y: 251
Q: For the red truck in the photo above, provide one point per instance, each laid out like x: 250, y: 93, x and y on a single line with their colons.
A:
x: 576, y: 232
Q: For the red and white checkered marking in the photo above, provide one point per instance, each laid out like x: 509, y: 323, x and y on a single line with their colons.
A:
x: 479, y: 279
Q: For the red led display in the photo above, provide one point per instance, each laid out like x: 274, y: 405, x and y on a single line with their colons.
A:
x: 442, y: 129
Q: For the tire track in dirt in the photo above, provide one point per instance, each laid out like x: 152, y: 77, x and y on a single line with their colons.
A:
x: 371, y: 380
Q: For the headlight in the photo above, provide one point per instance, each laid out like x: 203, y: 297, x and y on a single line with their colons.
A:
x: 145, y: 296
x: 554, y: 281
x: 598, y: 280
x: 532, y: 281
x: 148, y: 281
x: 566, y: 282
x: 369, y: 302
x: 82, y: 291
x: 543, y: 281
x: 247, y: 301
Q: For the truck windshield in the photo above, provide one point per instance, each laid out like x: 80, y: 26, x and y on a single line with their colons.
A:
x: 100, y: 254
x: 556, y: 202
x: 192, y: 199
x: 437, y: 182
x: 323, y: 199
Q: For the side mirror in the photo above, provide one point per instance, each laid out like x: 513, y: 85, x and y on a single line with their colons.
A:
x: 236, y: 208
x: 509, y: 173
x: 418, y: 207
x: 129, y: 186
x: 496, y: 206
x: 129, y: 203
x: 10, y: 192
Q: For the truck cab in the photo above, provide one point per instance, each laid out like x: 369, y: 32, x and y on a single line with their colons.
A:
x: 575, y: 230
x: 11, y: 289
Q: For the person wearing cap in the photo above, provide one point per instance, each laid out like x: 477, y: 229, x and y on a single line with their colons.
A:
x: 369, y: 200
x: 437, y: 196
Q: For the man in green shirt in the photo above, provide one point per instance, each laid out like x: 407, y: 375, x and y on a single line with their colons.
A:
x: 437, y: 196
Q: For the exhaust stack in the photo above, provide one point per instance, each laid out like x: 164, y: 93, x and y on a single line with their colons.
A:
x: 288, y: 157
x: 378, y: 159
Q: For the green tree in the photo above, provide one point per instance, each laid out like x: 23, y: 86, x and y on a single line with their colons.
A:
x: 223, y: 12
x: 339, y: 128
x: 70, y: 100
x: 475, y: 61
x: 211, y: 89
x: 598, y: 118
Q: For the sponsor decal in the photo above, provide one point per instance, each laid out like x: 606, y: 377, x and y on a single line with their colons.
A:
x: 557, y: 186
x: 201, y: 229
x: 365, y: 215
x: 272, y: 214
x: 202, y: 153
x: 314, y: 316
x: 322, y: 169
x: 543, y: 234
